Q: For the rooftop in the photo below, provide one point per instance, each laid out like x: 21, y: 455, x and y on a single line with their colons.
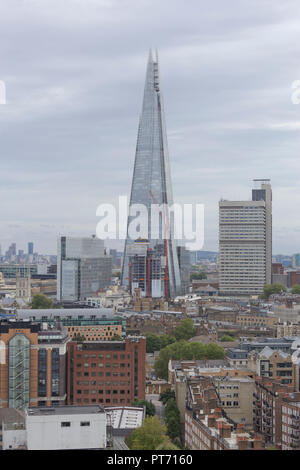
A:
x: 65, y: 410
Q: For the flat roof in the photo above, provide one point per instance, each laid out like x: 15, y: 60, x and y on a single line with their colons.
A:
x: 11, y: 415
x: 63, y: 312
x: 65, y: 410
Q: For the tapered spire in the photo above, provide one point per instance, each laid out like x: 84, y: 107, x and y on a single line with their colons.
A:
x: 151, y: 183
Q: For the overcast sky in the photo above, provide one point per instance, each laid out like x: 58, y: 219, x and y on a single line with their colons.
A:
x: 74, y: 72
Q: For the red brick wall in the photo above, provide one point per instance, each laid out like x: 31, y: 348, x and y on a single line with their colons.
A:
x: 110, y: 374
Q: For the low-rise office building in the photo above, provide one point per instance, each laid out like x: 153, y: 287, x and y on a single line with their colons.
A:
x: 58, y: 428
x: 106, y: 372
x: 32, y: 365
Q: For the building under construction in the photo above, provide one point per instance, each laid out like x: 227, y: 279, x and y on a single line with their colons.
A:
x: 147, y: 269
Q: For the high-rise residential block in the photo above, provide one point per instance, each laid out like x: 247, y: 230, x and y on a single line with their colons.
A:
x: 245, y: 243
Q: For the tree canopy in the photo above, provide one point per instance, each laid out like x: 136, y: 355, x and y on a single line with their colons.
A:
x: 157, y: 342
x: 198, y: 276
x: 270, y: 289
x: 186, y: 351
x: 40, y: 301
x: 227, y: 338
x: 166, y: 395
x: 185, y: 330
x: 296, y: 289
x: 150, y: 408
x: 150, y: 436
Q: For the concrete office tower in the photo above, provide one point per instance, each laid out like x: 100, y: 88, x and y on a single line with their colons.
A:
x: 245, y: 243
x: 30, y: 248
x: 83, y: 268
x: 151, y: 183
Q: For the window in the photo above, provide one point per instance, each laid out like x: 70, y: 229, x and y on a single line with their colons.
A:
x: 84, y: 423
x: 65, y: 424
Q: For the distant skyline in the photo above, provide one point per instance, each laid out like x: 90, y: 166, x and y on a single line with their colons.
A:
x: 74, y: 74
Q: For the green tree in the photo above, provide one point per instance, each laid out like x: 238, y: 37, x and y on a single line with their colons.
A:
x: 150, y: 408
x: 149, y: 436
x: 198, y: 276
x: 227, y: 338
x: 270, y: 289
x: 167, y: 445
x: 166, y: 395
x: 152, y: 343
x: 172, y: 419
x: 173, y: 426
x: 182, y: 350
x: 296, y: 289
x: 171, y: 408
x: 185, y: 330
x: 165, y: 340
x: 214, y: 351
x: 40, y: 301
x: 157, y: 342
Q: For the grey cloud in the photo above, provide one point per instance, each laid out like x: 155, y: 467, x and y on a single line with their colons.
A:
x: 75, y: 72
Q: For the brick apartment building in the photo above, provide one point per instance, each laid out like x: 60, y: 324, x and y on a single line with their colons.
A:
x: 290, y: 425
x: 267, y: 400
x: 207, y: 427
x: 106, y: 372
x: 250, y: 320
x: 275, y: 364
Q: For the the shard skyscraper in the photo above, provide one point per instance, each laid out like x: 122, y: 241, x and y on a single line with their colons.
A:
x: 151, y: 184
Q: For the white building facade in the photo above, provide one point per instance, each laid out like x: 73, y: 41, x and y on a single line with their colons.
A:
x: 245, y: 243
x: 66, y: 427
